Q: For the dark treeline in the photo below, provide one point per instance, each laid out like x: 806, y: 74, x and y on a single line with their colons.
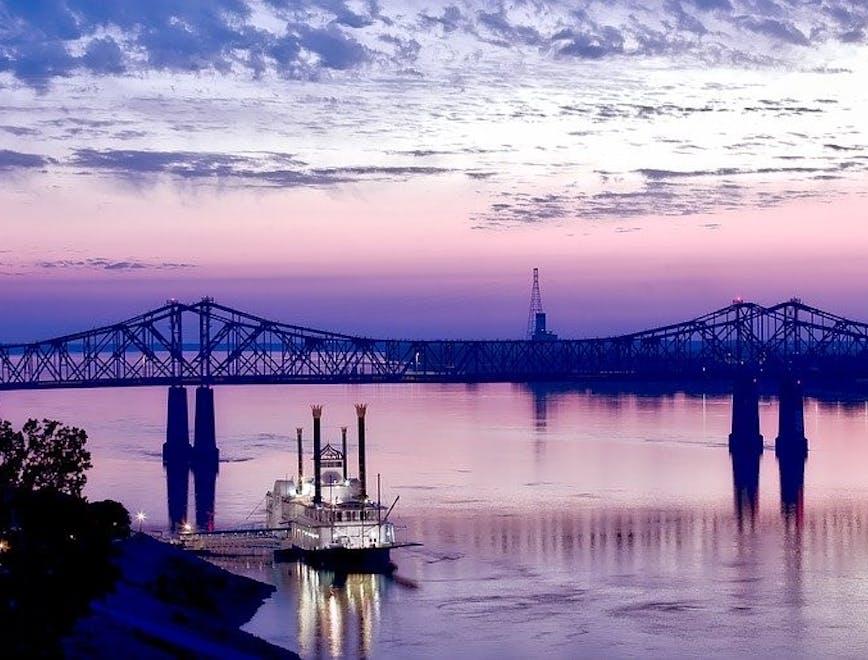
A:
x: 56, y: 548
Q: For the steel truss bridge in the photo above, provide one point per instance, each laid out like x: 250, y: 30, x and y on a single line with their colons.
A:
x: 207, y: 343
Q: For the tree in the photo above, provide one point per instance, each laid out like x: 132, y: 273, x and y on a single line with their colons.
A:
x: 58, y: 549
x: 44, y: 455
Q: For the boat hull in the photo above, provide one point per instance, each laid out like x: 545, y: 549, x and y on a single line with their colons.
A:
x: 345, y: 560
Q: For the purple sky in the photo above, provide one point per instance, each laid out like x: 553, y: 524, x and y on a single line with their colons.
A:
x: 397, y: 168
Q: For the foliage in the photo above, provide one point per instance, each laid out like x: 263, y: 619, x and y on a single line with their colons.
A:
x: 57, y: 559
x: 56, y: 549
x: 43, y: 455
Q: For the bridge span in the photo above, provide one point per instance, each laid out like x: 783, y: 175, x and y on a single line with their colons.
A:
x: 206, y: 344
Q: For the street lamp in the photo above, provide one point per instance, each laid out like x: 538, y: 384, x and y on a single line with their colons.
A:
x: 141, y: 517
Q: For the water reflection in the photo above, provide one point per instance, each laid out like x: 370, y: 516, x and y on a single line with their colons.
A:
x: 540, y: 394
x: 792, y: 474
x: 745, y: 486
x: 745, y: 479
x: 336, y: 616
x: 178, y: 493
x: 204, y: 487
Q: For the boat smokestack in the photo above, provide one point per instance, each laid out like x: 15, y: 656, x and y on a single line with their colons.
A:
x: 317, y: 481
x: 344, y: 448
x: 298, y: 432
x: 361, y: 408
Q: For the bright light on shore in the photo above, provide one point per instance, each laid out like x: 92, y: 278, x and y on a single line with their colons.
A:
x: 141, y: 517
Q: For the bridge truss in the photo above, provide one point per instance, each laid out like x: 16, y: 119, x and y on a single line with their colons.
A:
x: 209, y: 343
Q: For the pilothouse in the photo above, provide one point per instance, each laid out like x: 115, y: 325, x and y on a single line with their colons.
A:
x: 330, y: 519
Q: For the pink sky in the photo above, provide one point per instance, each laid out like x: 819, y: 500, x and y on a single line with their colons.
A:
x: 356, y: 263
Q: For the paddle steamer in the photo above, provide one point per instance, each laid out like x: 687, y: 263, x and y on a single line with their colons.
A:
x: 331, y: 521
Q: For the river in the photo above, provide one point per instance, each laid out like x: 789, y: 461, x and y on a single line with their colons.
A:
x: 555, y: 520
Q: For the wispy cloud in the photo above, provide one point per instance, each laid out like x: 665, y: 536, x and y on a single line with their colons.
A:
x: 262, y: 169
x: 14, y: 160
x: 18, y: 131
x: 104, y: 264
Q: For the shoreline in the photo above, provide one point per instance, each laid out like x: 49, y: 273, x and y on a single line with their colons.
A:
x: 168, y: 602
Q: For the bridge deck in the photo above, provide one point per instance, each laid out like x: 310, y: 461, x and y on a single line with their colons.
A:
x: 208, y: 343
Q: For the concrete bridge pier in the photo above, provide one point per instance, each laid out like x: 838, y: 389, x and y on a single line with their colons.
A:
x: 791, y: 442
x: 176, y: 449
x: 205, y: 452
x: 745, y: 437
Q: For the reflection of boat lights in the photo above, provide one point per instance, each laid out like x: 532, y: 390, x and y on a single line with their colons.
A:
x: 336, y: 641
x: 337, y: 621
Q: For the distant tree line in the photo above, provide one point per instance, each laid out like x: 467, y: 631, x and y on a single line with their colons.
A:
x: 56, y: 548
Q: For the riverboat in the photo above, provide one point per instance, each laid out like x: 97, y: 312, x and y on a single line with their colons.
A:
x: 331, y: 521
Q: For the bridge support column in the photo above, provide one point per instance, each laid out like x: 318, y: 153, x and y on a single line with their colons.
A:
x: 791, y: 441
x: 745, y: 437
x: 205, y: 452
x: 176, y: 449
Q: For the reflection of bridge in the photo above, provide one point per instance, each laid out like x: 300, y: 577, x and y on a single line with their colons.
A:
x: 206, y: 344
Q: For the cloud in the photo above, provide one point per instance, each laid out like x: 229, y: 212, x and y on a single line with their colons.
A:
x: 588, y: 45
x: 185, y: 164
x: 668, y: 193
x: 19, y: 131
x: 449, y: 20
x: 511, y: 34
x: 102, y: 263
x: 103, y: 56
x: 335, y: 49
x: 12, y: 160
x: 43, y: 40
x: 263, y: 169
x: 778, y: 30
x: 614, y: 129
x: 138, y: 165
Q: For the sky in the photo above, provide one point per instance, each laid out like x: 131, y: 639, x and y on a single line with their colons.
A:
x: 396, y: 169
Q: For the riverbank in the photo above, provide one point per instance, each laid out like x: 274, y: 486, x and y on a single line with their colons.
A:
x: 169, y: 603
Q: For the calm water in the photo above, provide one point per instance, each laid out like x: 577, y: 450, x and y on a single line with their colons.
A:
x: 558, y: 521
